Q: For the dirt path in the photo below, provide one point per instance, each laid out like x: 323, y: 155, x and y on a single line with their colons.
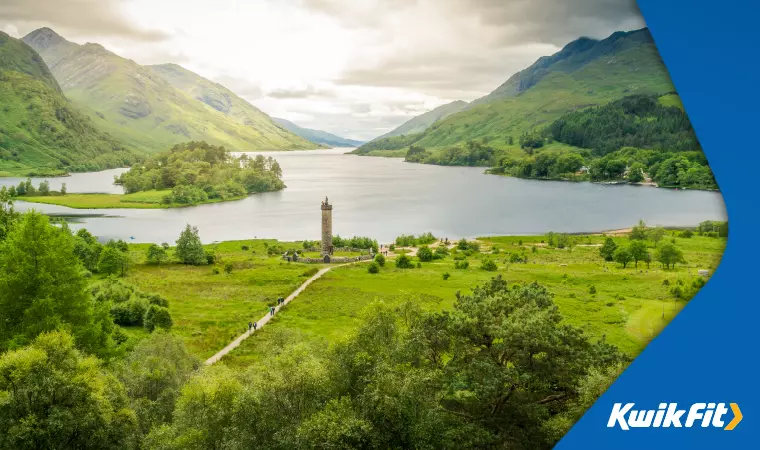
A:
x: 264, y: 320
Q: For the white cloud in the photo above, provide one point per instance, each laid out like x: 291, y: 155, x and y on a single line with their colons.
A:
x: 355, y: 68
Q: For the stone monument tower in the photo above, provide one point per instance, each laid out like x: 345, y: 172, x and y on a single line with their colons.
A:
x: 327, y: 247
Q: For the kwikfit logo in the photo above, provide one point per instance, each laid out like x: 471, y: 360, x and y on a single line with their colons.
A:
x: 668, y: 415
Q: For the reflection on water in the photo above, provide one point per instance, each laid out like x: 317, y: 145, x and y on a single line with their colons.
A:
x: 384, y: 198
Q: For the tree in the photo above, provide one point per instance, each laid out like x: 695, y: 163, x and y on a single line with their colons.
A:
x: 669, y: 255
x: 112, y: 261
x: 638, y: 232
x: 88, y: 249
x: 44, y: 188
x: 656, y: 234
x: 63, y: 188
x: 623, y: 256
x: 204, y: 415
x: 157, y: 317
x: 189, y: 249
x: 336, y: 426
x: 8, y: 214
x: 373, y: 267
x: 607, y: 250
x: 404, y: 262
x: 489, y: 265
x: 636, y: 172
x: 52, y: 396
x: 156, y: 254
x: 425, y: 254
x: 43, y: 288
x: 638, y: 251
x: 380, y: 259
x: 153, y: 374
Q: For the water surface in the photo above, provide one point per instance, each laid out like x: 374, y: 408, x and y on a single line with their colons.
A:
x: 384, y: 197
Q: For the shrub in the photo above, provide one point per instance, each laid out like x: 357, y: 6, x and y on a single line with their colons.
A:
x: 130, y: 312
x: 592, y: 289
x: 488, y: 265
x: 216, y: 270
x: 425, y: 254
x: 687, y: 234
x: 441, y: 252
x: 419, y: 265
x: 310, y: 273
x: 228, y: 268
x: 446, y: 275
x: 157, y: 317
x: 210, y: 257
x: 464, y: 264
x: 403, y: 262
x: 380, y: 260
x: 373, y: 267
x: 245, y: 248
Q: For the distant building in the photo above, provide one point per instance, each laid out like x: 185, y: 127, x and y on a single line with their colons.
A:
x: 327, y: 247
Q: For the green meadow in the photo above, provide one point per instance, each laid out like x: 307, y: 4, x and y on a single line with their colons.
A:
x: 627, y: 306
x: 140, y: 200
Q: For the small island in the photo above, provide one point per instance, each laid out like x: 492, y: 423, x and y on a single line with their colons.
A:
x: 191, y: 173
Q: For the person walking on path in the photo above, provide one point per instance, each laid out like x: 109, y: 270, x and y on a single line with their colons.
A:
x: 271, y: 310
x: 254, y: 326
x: 250, y: 325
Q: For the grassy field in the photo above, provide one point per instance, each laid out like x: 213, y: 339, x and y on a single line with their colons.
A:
x: 209, y: 309
x: 630, y: 305
x: 139, y: 200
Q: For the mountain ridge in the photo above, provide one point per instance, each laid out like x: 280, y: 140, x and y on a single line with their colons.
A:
x: 317, y: 136
x: 41, y: 133
x: 586, y: 72
x: 422, y: 122
x: 141, y: 108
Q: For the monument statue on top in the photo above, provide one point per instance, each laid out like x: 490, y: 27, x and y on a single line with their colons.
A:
x: 327, y: 247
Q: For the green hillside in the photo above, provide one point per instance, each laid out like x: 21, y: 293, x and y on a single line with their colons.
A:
x: 230, y: 104
x: 317, y: 136
x: 423, y: 121
x: 40, y: 132
x: 585, y: 73
x: 142, y: 109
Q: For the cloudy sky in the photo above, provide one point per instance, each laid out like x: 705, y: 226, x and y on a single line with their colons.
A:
x: 357, y: 68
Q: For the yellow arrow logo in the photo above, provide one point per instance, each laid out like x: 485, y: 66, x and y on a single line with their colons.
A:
x: 737, y: 417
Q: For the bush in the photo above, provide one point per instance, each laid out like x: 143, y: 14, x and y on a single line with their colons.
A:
x: 687, y: 234
x: 592, y: 289
x: 446, y: 275
x: 404, y: 262
x: 310, y: 273
x: 157, y: 317
x: 464, y: 264
x: 228, y: 268
x: 419, y: 265
x: 130, y: 312
x: 244, y: 248
x: 489, y: 265
x: 373, y: 267
x: 216, y: 271
x: 441, y: 252
x: 210, y: 257
x: 380, y: 260
x: 425, y: 254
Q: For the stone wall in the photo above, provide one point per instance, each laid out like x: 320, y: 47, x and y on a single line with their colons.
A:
x: 333, y: 259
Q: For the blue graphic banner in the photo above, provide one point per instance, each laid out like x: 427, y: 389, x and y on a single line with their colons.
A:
x: 705, y: 361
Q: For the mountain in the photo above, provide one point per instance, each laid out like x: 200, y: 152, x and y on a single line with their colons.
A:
x: 226, y: 102
x: 40, y: 132
x: 423, y: 121
x: 143, y: 109
x: 586, y: 72
x: 318, y: 136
